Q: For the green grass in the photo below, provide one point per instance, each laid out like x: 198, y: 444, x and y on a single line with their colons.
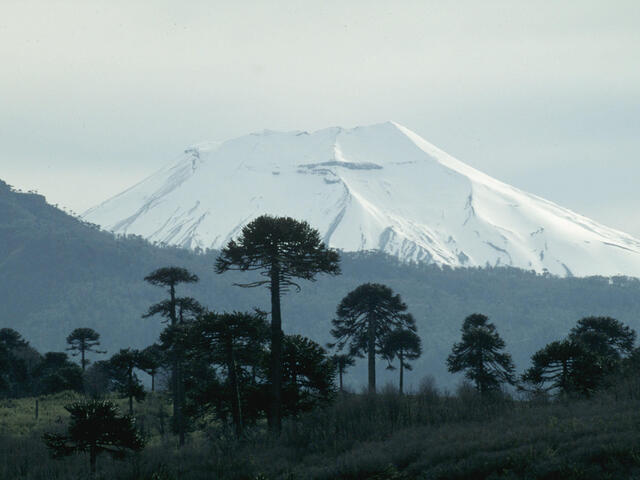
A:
x: 419, y: 436
x: 17, y: 416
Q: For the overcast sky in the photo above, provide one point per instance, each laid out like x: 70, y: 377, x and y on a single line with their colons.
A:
x: 94, y: 96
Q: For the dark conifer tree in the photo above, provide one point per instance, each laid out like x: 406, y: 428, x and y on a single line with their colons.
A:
x: 5, y: 362
x: 56, y: 373
x: 365, y: 317
x: 233, y: 342
x: 607, y: 338
x: 342, y: 362
x: 150, y: 362
x: 174, y: 309
x: 281, y: 249
x: 81, y: 341
x: 18, y: 361
x: 480, y: 355
x: 308, y: 374
x: 554, y: 367
x: 593, y: 351
x: 122, y: 366
x: 405, y: 345
x: 94, y: 428
x: 11, y: 339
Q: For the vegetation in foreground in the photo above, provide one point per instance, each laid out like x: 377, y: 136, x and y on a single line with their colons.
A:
x: 423, y: 435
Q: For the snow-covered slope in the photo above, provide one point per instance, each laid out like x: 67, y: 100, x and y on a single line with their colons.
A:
x: 375, y: 187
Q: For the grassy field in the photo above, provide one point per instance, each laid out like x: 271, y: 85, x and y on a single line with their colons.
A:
x: 425, y: 435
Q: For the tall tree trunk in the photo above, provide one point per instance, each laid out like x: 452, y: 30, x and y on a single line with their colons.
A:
x: 401, y: 358
x: 236, y: 410
x: 174, y: 360
x: 276, y: 352
x: 176, y: 380
x: 371, y: 347
x: 82, y: 349
x: 180, y: 409
x: 153, y: 382
x: 340, y: 369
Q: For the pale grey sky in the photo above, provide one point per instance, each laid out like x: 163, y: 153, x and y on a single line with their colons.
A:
x: 545, y: 95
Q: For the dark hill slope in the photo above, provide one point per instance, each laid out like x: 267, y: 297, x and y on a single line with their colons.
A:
x: 58, y: 273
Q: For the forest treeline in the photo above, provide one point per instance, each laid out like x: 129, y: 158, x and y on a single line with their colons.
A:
x: 242, y: 372
x: 58, y: 274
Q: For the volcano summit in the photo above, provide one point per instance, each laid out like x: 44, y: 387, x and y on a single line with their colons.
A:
x: 379, y: 187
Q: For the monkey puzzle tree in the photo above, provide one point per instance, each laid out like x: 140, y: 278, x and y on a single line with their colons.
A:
x: 281, y: 249
x: 11, y: 339
x: 122, y: 366
x: 18, y: 361
x: 150, y: 362
x: 405, y: 345
x: 342, y: 362
x: 365, y: 317
x: 607, y: 338
x: 81, y: 341
x: 174, y: 309
x: 94, y: 428
x: 480, y: 355
x: 554, y: 367
x: 594, y: 349
x: 233, y: 342
x: 308, y: 374
x: 56, y: 373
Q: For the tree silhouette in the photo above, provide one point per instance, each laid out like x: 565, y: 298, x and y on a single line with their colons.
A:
x: 606, y: 338
x: 81, y: 341
x: 232, y: 341
x: 555, y: 367
x: 365, y: 317
x: 94, y: 428
x: 183, y: 308
x: 11, y: 339
x: 55, y: 373
x: 405, y: 345
x: 174, y: 309
x: 281, y: 249
x: 127, y: 383
x: 480, y: 355
x: 582, y: 363
x: 342, y: 362
x: 5, y: 362
x: 17, y: 363
x: 308, y: 374
x: 150, y: 362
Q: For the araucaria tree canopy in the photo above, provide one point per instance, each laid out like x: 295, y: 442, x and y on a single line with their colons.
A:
x: 480, y: 355
x: 175, y: 309
x: 405, y: 345
x: 594, y: 349
x: 282, y: 249
x: 95, y: 427
x: 363, y: 320
x: 81, y: 341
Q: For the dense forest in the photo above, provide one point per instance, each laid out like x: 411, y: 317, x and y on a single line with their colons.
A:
x: 247, y: 380
x: 58, y: 273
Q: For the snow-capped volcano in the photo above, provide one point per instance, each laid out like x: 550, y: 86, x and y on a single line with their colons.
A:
x: 375, y: 187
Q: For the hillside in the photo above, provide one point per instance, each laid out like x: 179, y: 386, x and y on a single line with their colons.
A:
x: 58, y: 273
